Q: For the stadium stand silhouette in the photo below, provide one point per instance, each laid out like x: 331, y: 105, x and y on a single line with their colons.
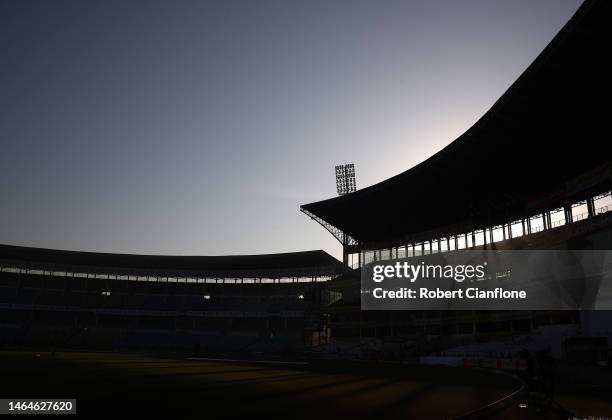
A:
x: 217, y: 305
x: 533, y: 173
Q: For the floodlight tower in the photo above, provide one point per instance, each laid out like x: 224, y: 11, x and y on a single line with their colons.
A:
x: 345, y: 184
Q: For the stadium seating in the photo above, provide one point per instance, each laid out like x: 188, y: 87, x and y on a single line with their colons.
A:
x: 70, y: 312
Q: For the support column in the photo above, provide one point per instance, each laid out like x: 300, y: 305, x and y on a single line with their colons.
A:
x: 549, y: 220
x: 345, y: 254
x: 591, y: 206
x: 567, y: 211
x: 529, y: 226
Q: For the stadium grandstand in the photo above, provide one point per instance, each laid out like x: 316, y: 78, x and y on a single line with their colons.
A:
x: 535, y: 161
x: 226, y: 304
x: 532, y: 173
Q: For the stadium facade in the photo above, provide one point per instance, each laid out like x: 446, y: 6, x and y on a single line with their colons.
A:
x: 536, y: 161
x: 225, y: 304
x: 534, y: 172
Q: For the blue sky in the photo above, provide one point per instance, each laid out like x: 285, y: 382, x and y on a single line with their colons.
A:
x: 199, y: 127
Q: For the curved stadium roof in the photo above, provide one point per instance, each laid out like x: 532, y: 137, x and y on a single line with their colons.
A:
x: 551, y: 126
x: 306, y: 263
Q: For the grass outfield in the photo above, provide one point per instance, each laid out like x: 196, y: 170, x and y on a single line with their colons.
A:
x: 107, y: 384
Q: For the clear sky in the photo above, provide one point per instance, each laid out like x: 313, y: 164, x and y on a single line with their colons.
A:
x: 199, y: 127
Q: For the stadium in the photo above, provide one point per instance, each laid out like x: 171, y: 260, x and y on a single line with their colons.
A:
x: 285, y: 335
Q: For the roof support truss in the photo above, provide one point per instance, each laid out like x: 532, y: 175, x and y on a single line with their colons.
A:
x: 343, y: 237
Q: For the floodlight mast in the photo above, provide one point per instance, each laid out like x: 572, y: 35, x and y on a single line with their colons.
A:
x: 345, y: 184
